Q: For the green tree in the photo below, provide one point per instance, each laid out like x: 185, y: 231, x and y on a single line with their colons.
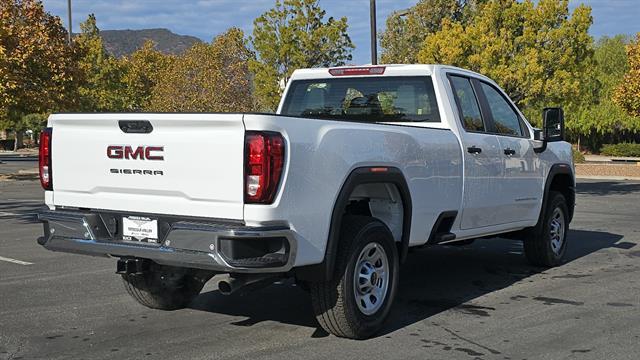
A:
x: 207, y: 78
x: 611, y: 60
x: 406, y: 30
x: 35, y: 63
x: 101, y: 86
x: 143, y: 69
x: 35, y: 123
x: 538, y: 52
x: 602, y: 119
x: 292, y: 35
x: 627, y: 94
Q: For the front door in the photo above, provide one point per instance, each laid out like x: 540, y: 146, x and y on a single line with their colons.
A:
x: 522, y: 182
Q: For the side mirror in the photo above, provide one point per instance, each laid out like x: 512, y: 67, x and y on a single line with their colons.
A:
x: 553, y: 124
x: 552, y: 128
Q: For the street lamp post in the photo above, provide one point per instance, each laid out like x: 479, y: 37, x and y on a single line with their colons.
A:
x: 69, y: 15
x: 374, y: 39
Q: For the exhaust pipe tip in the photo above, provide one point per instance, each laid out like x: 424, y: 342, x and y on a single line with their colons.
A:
x: 230, y: 284
x: 41, y: 240
x: 225, y: 287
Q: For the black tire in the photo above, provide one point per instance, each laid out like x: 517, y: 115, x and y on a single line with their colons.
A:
x: 164, y: 287
x: 538, y: 246
x: 334, y: 301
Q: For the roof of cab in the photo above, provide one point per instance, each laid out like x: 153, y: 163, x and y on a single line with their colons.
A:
x: 390, y: 70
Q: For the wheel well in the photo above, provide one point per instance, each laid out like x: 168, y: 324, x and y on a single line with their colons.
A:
x: 371, y: 193
x: 563, y: 183
x: 379, y: 200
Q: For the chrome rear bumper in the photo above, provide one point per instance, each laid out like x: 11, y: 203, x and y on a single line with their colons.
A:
x: 184, y: 243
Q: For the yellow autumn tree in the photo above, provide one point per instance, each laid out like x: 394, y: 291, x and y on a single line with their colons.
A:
x: 207, y: 78
x: 537, y: 51
x: 100, y: 83
x: 35, y: 63
x: 405, y: 30
x: 627, y: 94
x: 143, y: 69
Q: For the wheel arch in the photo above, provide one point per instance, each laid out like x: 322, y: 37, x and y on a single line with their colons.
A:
x: 359, y: 176
x: 562, y: 179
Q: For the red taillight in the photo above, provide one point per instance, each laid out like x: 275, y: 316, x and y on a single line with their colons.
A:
x: 45, y: 159
x: 366, y: 70
x: 378, y: 169
x: 264, y: 159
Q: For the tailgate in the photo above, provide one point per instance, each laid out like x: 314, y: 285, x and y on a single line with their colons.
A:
x: 189, y: 164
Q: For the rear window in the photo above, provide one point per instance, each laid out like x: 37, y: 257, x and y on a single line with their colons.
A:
x: 370, y: 99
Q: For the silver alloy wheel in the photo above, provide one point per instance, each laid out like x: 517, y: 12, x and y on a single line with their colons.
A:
x: 556, y: 230
x: 371, y: 278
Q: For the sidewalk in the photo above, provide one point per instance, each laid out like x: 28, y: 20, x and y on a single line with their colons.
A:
x: 608, y: 171
x: 19, y: 153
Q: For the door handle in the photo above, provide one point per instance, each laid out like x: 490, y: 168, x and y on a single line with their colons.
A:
x: 474, y: 150
x: 509, y: 152
x: 135, y: 126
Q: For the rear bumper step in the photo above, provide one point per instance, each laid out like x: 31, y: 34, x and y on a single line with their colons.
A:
x: 221, y: 247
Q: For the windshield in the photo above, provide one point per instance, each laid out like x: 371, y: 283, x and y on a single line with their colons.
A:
x: 370, y: 99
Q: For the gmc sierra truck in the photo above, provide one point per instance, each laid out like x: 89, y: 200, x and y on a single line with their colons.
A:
x: 358, y: 165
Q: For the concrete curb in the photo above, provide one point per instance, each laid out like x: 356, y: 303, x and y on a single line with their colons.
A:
x: 616, y: 178
x: 609, y: 159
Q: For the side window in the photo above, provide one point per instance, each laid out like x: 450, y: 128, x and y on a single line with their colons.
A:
x: 467, y: 103
x: 505, y: 118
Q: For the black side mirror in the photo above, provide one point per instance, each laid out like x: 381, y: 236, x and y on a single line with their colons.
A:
x: 553, y: 124
x: 552, y: 128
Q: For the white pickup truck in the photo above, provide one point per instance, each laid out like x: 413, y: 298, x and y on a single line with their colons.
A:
x: 358, y: 165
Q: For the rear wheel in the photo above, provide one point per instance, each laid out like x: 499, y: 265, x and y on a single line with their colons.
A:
x: 164, y: 287
x: 357, y: 301
x: 546, y: 243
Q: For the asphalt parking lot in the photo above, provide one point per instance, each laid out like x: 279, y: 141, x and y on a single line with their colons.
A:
x: 13, y: 164
x: 480, y: 301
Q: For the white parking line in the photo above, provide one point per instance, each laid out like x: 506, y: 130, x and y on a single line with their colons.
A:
x: 19, y: 262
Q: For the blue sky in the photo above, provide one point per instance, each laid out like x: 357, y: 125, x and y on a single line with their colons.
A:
x: 207, y: 18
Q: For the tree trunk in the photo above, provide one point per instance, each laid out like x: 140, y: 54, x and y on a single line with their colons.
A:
x: 3, y: 134
x: 18, y: 141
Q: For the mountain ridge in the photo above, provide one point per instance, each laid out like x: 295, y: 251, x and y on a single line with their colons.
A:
x: 124, y: 42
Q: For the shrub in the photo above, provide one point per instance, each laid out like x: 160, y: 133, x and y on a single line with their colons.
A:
x: 622, y: 149
x: 578, y: 158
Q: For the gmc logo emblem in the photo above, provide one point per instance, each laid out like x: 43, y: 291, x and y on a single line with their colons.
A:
x: 138, y: 153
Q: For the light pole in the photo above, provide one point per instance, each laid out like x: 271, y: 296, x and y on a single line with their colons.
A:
x: 69, y: 15
x: 374, y: 39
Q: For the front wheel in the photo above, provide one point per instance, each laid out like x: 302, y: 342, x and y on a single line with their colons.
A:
x: 357, y: 301
x: 546, y: 243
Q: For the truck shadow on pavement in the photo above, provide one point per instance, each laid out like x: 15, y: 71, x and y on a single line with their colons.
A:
x: 433, y: 280
x: 24, y: 212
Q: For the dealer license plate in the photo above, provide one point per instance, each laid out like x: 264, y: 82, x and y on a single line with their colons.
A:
x: 138, y: 228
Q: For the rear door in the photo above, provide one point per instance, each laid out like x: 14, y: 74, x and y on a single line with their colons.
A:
x: 483, y: 168
x: 522, y: 182
x: 183, y: 164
